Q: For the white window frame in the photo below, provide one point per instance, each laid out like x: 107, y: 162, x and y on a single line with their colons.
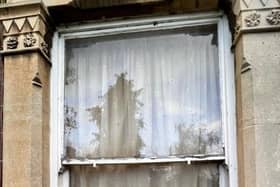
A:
x: 227, y: 85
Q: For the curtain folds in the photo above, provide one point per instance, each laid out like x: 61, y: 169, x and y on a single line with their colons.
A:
x: 153, y: 96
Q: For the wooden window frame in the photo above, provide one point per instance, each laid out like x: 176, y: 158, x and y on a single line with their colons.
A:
x: 59, y: 177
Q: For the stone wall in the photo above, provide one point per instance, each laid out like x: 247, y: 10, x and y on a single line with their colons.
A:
x: 26, y: 95
x: 26, y: 121
x: 257, y: 46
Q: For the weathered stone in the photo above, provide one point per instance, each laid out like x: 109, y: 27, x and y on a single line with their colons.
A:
x: 258, y: 101
x: 26, y: 27
x: 26, y: 125
x: 26, y: 105
x: 262, y: 83
x: 249, y: 157
x: 267, y: 143
x: 259, y: 160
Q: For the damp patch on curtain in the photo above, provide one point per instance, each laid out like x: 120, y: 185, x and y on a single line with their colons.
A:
x: 117, y: 122
x: 154, y: 96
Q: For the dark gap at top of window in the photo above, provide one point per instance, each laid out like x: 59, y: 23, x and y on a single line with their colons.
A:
x: 193, y: 31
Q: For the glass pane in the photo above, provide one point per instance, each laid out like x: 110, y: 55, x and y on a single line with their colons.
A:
x: 146, y: 96
x: 173, y: 175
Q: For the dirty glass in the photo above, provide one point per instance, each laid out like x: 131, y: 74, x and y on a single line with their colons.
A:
x: 172, y: 175
x: 139, y: 96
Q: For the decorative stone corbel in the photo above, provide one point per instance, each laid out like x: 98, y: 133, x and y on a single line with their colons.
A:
x: 27, y: 30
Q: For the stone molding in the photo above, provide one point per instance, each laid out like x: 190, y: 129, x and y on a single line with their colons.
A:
x: 240, y: 5
x: 26, y: 28
x: 256, y: 16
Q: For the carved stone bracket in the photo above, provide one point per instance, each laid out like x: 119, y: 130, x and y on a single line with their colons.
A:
x: 25, y: 31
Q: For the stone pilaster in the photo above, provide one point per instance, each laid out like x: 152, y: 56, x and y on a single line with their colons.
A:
x: 25, y: 50
x: 257, y: 55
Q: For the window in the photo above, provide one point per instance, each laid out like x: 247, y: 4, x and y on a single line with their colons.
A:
x: 144, y: 103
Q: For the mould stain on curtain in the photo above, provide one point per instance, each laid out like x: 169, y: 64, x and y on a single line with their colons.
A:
x: 115, y: 118
x: 154, y: 96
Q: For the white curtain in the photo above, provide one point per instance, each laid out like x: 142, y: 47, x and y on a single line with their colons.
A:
x: 172, y: 175
x: 152, y: 96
